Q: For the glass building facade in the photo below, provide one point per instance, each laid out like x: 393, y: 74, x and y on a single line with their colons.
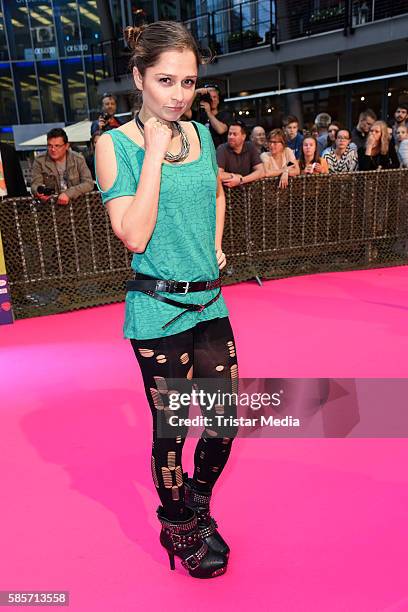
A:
x: 46, y: 71
x: 46, y: 66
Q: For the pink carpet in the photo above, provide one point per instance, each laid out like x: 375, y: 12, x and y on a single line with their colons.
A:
x: 319, y: 525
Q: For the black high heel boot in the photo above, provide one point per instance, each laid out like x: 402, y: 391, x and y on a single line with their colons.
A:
x: 182, y: 539
x: 207, y: 526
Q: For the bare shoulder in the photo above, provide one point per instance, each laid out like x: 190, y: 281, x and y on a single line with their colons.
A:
x: 105, y: 158
x: 104, y: 146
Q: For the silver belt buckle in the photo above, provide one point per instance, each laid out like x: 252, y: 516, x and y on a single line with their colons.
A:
x: 186, y: 287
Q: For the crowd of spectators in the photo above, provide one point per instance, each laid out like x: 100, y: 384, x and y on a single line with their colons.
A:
x: 326, y: 148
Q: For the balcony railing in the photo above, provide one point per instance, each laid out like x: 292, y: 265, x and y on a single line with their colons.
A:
x: 256, y: 23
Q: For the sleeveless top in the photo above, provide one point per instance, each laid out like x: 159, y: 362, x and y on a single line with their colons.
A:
x: 182, y: 245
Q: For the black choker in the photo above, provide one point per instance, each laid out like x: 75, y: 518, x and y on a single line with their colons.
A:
x: 185, y: 145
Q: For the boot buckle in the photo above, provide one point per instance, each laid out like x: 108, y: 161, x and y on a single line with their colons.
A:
x: 191, y: 562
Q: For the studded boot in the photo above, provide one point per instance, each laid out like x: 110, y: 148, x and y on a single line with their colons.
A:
x: 182, y: 539
x: 200, y: 503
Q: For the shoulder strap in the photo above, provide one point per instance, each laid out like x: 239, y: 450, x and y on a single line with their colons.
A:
x: 197, y: 130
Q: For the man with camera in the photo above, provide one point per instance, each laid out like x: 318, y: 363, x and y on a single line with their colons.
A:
x: 60, y: 173
x: 210, y: 115
x: 106, y: 120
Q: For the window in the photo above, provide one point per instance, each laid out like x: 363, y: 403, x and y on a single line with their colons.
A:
x: 51, y: 91
x: 8, y: 114
x: 66, y: 20
x: 42, y: 30
x: 94, y: 97
x: 90, y: 24
x: 27, y: 92
x: 74, y: 89
x: 3, y: 43
x: 18, y: 30
x: 167, y: 9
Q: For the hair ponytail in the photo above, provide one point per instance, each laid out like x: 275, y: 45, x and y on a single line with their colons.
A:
x: 132, y: 35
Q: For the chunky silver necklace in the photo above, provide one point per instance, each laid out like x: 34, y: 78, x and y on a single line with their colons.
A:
x: 185, y: 145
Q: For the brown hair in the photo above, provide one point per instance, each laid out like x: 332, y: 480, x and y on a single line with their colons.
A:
x: 148, y: 42
x: 316, y: 157
x: 279, y: 134
x: 289, y: 119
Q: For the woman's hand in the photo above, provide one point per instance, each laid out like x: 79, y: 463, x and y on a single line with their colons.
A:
x: 284, y: 180
x: 318, y: 168
x: 157, y: 138
x: 221, y: 259
x: 370, y: 143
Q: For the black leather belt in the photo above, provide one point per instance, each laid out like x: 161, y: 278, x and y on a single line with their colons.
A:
x: 143, y: 282
x: 149, y: 286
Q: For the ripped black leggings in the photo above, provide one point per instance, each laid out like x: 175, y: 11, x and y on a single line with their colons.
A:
x: 204, y: 351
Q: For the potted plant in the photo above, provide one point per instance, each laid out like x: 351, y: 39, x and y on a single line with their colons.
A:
x: 250, y: 38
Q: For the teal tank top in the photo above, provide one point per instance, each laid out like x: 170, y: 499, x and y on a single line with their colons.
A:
x: 182, y: 245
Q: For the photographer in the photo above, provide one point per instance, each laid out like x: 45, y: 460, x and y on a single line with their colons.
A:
x: 216, y: 120
x: 60, y: 172
x: 106, y: 120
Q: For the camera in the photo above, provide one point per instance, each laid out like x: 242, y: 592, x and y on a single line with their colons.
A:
x: 43, y: 190
x: 105, y: 117
x: 205, y: 98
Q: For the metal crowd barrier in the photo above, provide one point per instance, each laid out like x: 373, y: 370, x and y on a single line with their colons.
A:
x: 62, y: 258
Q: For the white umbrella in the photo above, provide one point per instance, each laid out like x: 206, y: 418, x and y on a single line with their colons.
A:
x: 78, y: 132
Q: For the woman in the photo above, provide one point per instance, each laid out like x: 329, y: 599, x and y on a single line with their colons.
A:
x: 281, y: 160
x: 402, y: 145
x: 379, y: 152
x: 341, y: 158
x: 158, y: 179
x: 310, y: 162
x: 332, y: 131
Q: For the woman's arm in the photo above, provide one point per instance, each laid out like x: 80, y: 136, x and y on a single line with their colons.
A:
x: 324, y: 168
x: 220, y: 214
x: 219, y: 223
x: 133, y: 218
